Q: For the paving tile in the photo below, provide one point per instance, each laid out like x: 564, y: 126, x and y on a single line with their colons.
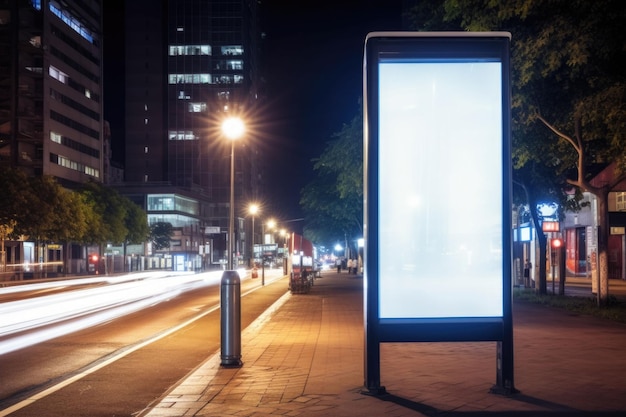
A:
x: 305, y: 359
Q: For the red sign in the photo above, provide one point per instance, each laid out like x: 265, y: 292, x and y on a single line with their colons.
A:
x: 550, y: 227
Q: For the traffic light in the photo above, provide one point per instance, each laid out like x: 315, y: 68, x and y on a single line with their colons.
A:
x: 556, y: 244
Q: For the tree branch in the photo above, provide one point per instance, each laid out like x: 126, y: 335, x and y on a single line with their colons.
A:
x: 575, y: 143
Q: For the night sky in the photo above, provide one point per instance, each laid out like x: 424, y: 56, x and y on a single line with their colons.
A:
x: 313, y: 67
x: 314, y: 70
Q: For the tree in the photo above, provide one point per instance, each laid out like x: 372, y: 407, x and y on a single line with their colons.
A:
x: 16, y: 197
x: 160, y: 235
x: 51, y: 213
x: 333, y: 201
x: 108, y: 223
x: 569, y: 90
x: 136, y: 222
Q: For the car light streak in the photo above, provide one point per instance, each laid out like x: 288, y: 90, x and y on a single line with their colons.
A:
x: 31, y: 321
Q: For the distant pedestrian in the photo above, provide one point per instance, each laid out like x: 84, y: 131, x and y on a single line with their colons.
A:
x: 527, y: 267
x: 350, y: 266
x: 338, y: 265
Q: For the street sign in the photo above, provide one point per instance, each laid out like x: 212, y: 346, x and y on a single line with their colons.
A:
x: 211, y: 230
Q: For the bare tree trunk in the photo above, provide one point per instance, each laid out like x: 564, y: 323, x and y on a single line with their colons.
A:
x: 541, y: 282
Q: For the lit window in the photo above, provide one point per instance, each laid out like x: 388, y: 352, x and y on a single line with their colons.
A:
x: 620, y: 201
x: 189, y: 79
x: 232, y: 50
x: 189, y: 50
x: 35, y: 41
x: 55, y: 137
x: 72, y: 21
x: 196, y: 107
x: 57, y: 74
x: 181, y: 135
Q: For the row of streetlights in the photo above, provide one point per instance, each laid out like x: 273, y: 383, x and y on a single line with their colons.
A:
x: 253, y: 210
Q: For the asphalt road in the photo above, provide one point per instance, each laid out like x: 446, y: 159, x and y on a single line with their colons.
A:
x: 72, y: 376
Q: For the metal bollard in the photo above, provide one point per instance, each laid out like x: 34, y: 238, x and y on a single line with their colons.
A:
x: 230, y: 323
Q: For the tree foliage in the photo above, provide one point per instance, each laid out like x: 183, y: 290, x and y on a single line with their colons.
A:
x: 333, y: 201
x: 116, y: 220
x: 160, y: 235
x: 42, y: 210
x: 569, y: 91
x: 136, y: 223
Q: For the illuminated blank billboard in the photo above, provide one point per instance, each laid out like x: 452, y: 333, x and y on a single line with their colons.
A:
x: 437, y: 184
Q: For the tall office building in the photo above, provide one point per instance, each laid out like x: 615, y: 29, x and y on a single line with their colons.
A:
x: 189, y: 64
x: 51, y: 101
x: 51, y: 88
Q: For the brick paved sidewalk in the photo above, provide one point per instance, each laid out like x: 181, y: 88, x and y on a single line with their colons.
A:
x: 305, y: 358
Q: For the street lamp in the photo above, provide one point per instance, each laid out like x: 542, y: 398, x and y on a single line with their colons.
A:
x: 271, y: 224
x: 233, y: 128
x: 253, y: 210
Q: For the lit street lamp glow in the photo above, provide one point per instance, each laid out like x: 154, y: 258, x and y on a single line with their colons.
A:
x: 233, y: 128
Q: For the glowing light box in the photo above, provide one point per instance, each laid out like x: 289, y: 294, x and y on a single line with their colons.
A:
x: 437, y: 193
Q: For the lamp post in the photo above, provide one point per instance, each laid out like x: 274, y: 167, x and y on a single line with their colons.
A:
x: 233, y: 128
x: 230, y: 290
x: 253, y: 210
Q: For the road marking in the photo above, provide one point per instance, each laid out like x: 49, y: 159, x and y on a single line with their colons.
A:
x: 70, y: 380
x: 215, y: 359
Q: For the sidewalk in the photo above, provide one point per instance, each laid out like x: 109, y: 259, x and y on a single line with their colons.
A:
x: 304, y: 357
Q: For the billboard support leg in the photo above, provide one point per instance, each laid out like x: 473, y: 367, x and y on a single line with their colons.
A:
x: 504, y: 369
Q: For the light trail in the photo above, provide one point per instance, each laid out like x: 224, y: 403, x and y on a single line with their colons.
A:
x: 28, y: 322
x: 213, y: 278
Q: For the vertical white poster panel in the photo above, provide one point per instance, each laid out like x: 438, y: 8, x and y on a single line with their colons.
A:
x: 440, y: 188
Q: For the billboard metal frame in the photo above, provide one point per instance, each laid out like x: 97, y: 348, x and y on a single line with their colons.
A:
x: 432, y: 46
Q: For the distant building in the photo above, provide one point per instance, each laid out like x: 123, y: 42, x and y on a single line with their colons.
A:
x: 188, y: 65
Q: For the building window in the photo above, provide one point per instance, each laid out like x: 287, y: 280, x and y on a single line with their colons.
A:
x: 72, y: 21
x: 232, y: 64
x: 182, y: 135
x: 190, y: 79
x: 176, y: 50
x: 620, y: 201
x: 172, y: 202
x: 232, y: 50
x: 196, y: 107
x: 74, y: 165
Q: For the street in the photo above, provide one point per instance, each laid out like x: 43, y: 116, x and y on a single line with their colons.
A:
x: 119, y: 367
